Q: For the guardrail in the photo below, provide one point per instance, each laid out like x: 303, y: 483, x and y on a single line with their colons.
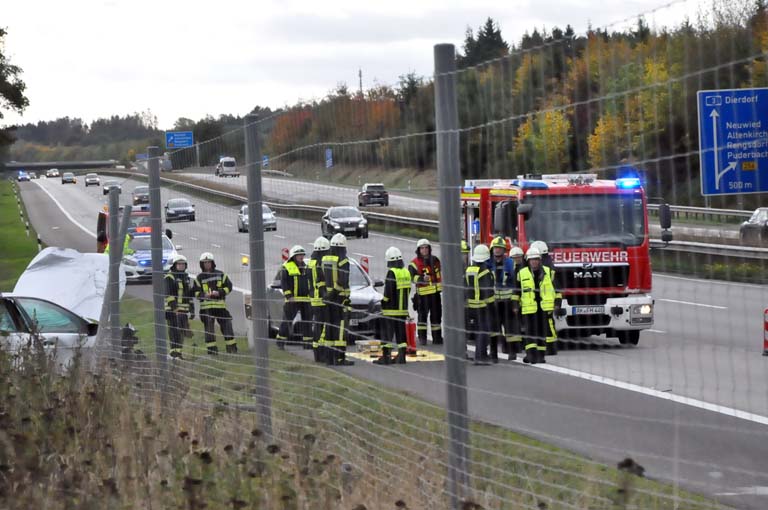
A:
x: 702, y: 213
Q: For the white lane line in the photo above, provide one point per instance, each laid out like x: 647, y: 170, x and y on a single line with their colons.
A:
x: 363, y: 255
x: 755, y: 490
x: 228, y: 225
x: 69, y: 216
x: 658, y: 331
x: 55, y: 228
x: 278, y: 236
x: 215, y: 245
x: 192, y: 238
x: 209, y: 221
x: 709, y: 282
x: 691, y: 303
x: 679, y: 399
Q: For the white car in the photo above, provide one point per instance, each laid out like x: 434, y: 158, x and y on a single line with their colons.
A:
x: 92, y: 180
x: 138, y: 265
x: 227, y: 167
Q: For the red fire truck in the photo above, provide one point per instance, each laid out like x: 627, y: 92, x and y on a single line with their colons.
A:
x: 597, y: 234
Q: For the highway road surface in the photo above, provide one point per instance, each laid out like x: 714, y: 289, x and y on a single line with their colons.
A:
x: 690, y: 403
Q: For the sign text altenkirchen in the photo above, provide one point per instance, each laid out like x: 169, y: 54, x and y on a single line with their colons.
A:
x: 733, y: 141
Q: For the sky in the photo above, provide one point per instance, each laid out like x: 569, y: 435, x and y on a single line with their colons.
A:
x: 95, y: 58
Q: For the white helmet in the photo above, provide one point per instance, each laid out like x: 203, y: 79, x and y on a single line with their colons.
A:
x: 423, y: 242
x: 481, y: 253
x: 178, y: 258
x: 321, y: 244
x: 516, y: 251
x: 296, y: 250
x: 393, y: 254
x: 338, y: 240
x: 533, y: 253
x: 207, y: 256
x: 541, y: 246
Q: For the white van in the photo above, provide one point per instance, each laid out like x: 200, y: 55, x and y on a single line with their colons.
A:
x: 227, y: 167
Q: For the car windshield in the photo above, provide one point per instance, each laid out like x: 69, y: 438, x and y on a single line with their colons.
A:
x: 143, y: 243
x: 759, y: 216
x: 583, y: 220
x: 265, y: 210
x: 228, y: 163
x: 141, y: 189
x: 140, y: 221
x: 110, y: 183
x: 345, y: 212
x: 69, y: 174
x: 91, y: 176
x: 357, y: 278
x: 375, y: 187
x: 179, y: 202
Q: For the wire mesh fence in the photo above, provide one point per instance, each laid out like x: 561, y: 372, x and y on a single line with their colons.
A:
x: 567, y: 138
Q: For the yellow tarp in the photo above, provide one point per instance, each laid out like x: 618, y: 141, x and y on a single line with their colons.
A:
x: 420, y: 356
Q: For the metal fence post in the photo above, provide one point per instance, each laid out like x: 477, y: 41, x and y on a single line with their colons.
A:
x: 117, y: 248
x: 156, y: 238
x: 449, y: 181
x: 113, y: 287
x: 258, y: 280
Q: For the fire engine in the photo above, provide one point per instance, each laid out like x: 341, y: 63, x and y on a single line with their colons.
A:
x: 597, y: 234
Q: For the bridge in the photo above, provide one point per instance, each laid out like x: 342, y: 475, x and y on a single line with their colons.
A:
x: 61, y: 165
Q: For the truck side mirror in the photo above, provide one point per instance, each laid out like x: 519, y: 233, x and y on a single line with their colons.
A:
x: 168, y: 233
x: 666, y: 236
x: 499, y: 218
x: 525, y: 210
x: 665, y: 216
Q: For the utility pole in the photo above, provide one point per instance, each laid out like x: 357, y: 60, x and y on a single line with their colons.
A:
x: 360, y: 76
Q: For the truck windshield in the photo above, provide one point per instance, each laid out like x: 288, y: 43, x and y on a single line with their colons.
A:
x: 228, y: 164
x: 586, y: 220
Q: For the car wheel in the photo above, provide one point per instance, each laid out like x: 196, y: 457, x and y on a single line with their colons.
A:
x: 365, y: 234
x: 193, y: 218
x: 386, y: 203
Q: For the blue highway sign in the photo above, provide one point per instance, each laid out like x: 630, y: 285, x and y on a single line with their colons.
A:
x: 733, y: 141
x: 179, y: 139
x: 265, y: 161
x: 328, y: 158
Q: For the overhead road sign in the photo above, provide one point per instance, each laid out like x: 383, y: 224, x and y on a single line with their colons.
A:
x: 733, y: 141
x: 179, y: 139
x: 328, y: 158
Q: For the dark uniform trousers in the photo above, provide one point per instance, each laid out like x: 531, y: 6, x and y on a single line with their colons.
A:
x: 480, y: 329
x: 209, y: 317
x: 429, y: 307
x: 290, y: 310
x: 175, y: 329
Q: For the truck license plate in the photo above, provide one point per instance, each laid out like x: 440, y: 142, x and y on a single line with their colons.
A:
x: 588, y: 310
x: 354, y: 322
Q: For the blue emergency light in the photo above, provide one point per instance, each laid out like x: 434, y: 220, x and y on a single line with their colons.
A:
x: 628, y: 183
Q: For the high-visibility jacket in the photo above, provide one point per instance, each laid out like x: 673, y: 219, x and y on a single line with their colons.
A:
x: 178, y: 291
x: 479, y: 286
x: 126, y: 247
x: 208, y: 282
x: 536, y: 291
x: 295, y: 281
x: 503, y: 273
x: 546, y: 260
x: 336, y: 275
x: 397, y: 287
x: 316, y: 282
x: 420, y: 269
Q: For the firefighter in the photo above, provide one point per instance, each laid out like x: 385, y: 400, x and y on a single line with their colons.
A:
x: 465, y: 253
x: 317, y: 287
x: 295, y: 283
x: 516, y: 254
x: 501, y: 314
x: 480, y: 297
x: 537, y: 297
x: 127, y: 250
x: 425, y: 273
x: 212, y: 286
x: 397, y: 287
x: 178, y: 303
x: 336, y: 277
x: 546, y: 260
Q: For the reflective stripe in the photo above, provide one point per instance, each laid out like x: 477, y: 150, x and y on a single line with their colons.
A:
x: 317, y: 284
x: 472, y: 278
x: 531, y: 346
x: 528, y: 291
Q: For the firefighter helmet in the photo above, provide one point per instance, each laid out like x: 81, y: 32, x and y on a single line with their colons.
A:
x: 207, y: 256
x: 423, y: 242
x: 516, y: 251
x: 296, y: 250
x: 541, y: 246
x: 499, y: 242
x: 392, y: 254
x: 178, y: 258
x: 321, y: 244
x: 464, y: 246
x: 339, y: 241
x: 533, y: 253
x: 481, y: 253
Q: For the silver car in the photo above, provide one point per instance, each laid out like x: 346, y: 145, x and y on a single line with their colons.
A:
x: 268, y: 218
x: 92, y: 180
x: 365, y: 301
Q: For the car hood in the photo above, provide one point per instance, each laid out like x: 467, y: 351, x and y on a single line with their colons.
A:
x: 361, y: 296
x: 348, y: 219
x: 186, y: 208
x: 81, y: 280
x: 147, y: 255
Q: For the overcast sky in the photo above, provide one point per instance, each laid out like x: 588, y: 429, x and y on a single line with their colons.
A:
x: 94, y: 58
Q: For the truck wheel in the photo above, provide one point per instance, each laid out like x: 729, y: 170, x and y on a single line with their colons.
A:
x: 628, y: 337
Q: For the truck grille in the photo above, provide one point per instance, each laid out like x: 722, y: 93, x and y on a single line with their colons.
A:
x: 582, y: 321
x: 582, y: 278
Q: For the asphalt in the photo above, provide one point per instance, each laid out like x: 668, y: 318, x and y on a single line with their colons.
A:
x: 706, y: 344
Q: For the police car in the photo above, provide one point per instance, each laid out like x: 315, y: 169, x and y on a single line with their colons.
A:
x: 138, y: 265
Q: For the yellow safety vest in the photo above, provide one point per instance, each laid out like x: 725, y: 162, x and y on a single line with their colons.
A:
x: 528, y: 291
x: 317, y: 284
x: 213, y: 282
x: 180, y: 298
x: 474, y: 273
x: 403, y: 284
x: 333, y: 263
x: 294, y: 273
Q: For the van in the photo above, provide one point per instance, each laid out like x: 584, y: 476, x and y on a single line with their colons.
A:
x: 227, y: 167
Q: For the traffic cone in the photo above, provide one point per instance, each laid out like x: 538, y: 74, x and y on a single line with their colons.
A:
x: 410, y: 336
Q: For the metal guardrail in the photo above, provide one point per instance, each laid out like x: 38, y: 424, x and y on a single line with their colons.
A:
x: 689, y: 212
x: 721, y: 250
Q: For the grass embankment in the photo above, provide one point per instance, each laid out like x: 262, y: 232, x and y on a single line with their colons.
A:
x: 16, y: 249
x: 710, y: 267
x: 386, y: 445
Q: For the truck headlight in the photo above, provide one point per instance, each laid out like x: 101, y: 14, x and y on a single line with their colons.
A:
x: 646, y: 309
x: 129, y: 262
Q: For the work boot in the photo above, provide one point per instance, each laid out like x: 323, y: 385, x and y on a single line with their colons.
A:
x: 213, y: 350
x: 231, y: 348
x: 330, y: 356
x: 307, y: 345
x: 400, y: 359
x: 423, y: 340
x: 531, y: 356
x: 281, y: 345
x: 515, y: 347
x: 540, y: 353
x: 385, y: 358
x: 437, y: 337
x: 552, y: 348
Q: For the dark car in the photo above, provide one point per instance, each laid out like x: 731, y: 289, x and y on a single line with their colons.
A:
x: 373, y: 194
x: 346, y: 220
x: 179, y: 209
x: 140, y: 195
x: 68, y: 178
x: 33, y: 175
x: 365, y: 301
x: 755, y: 229
x: 108, y: 185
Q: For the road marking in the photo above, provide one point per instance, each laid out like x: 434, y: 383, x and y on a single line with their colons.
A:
x: 228, y: 225
x: 716, y: 307
x: 718, y: 282
x: 55, y: 228
x: 192, y: 238
x: 658, y: 331
x: 278, y: 236
x: 215, y: 245
x: 664, y: 395
x: 209, y: 221
x: 363, y: 255
x: 755, y: 490
x: 69, y: 216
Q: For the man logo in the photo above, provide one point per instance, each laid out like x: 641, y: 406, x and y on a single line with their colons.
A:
x: 587, y: 274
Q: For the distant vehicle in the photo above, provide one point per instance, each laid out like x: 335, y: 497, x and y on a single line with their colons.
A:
x: 139, y: 223
x: 22, y: 176
x: 755, y: 229
x: 179, y: 209
x: 346, y: 220
x: 138, y: 265
x: 108, y: 185
x: 68, y: 178
x: 373, y: 193
x: 120, y: 167
x: 53, y: 172
x: 140, y: 195
x: 268, y: 218
x: 92, y: 179
x: 227, y: 167
x: 33, y: 175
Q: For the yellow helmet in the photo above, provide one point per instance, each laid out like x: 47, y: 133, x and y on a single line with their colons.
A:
x: 499, y: 242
